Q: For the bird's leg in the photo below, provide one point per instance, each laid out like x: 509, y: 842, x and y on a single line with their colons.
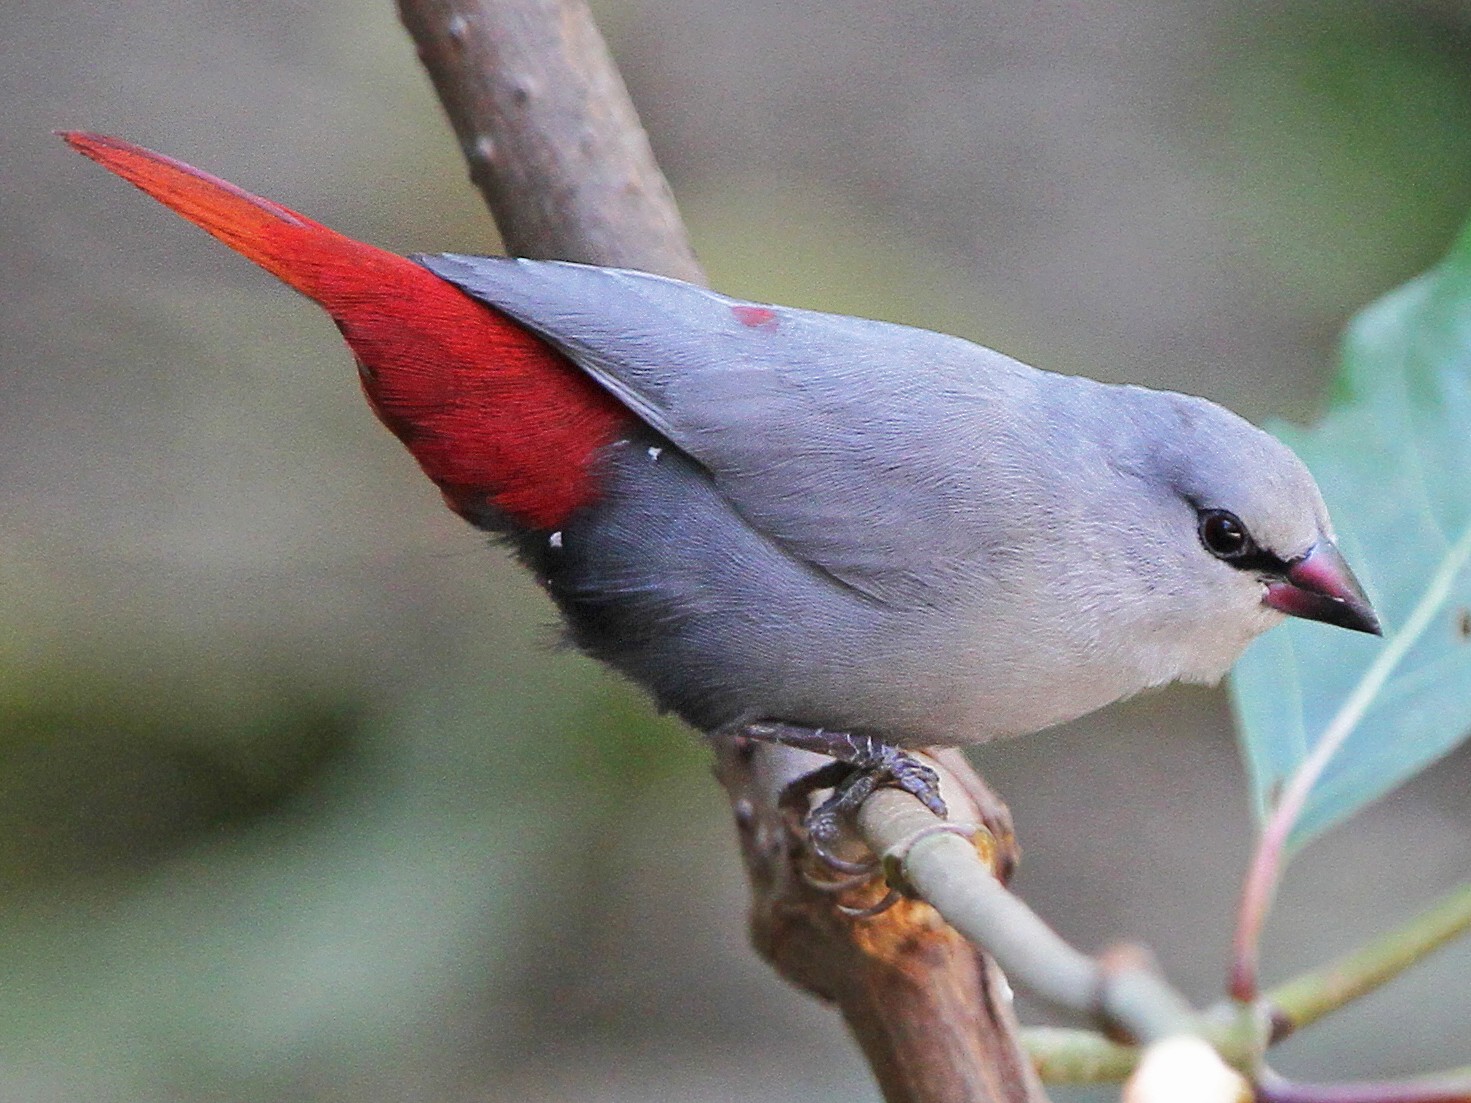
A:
x: 863, y: 763
x: 865, y: 754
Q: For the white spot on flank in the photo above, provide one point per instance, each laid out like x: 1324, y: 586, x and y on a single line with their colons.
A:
x: 655, y: 453
x: 555, y: 539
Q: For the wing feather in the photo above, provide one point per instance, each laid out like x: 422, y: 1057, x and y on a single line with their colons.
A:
x: 868, y: 449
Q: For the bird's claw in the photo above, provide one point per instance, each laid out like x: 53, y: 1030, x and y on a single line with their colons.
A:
x: 888, y: 900
x: 824, y: 829
x: 862, y: 763
x: 836, y: 885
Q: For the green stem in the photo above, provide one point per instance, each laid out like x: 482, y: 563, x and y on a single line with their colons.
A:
x: 943, y: 869
x: 1069, y: 1056
x: 1309, y: 997
x: 1066, y: 1055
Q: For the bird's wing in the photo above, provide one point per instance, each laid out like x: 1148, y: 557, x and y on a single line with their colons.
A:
x: 869, y: 450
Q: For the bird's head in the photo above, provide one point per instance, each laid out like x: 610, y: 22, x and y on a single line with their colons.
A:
x: 1242, y: 537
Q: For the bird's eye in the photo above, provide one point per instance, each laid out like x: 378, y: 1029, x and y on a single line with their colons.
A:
x: 1224, y: 536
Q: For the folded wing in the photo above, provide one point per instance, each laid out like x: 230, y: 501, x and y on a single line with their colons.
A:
x: 865, y: 448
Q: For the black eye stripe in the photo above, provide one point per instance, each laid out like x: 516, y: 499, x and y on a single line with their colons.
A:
x: 1225, y: 537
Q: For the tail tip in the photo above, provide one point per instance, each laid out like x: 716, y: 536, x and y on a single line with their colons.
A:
x: 93, y: 145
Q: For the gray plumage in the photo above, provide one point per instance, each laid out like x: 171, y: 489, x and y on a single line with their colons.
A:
x: 850, y: 524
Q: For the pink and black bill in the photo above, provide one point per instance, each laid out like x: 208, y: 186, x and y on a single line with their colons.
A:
x: 1320, y: 586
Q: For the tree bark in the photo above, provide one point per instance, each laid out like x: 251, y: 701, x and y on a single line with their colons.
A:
x: 551, y: 137
x: 555, y: 146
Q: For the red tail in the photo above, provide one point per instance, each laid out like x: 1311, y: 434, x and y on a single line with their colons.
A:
x: 493, y: 414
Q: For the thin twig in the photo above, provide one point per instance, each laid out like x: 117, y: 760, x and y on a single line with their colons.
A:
x: 1309, y: 997
x: 1065, y: 1056
x: 1120, y: 989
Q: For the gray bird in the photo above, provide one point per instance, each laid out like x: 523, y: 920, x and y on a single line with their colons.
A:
x: 851, y: 526
x: 841, y: 534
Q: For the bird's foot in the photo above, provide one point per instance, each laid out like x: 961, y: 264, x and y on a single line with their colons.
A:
x: 863, y: 763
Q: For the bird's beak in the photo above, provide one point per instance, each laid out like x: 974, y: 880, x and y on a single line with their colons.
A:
x: 1320, y: 586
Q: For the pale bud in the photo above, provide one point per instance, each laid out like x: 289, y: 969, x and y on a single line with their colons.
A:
x: 1184, y: 1069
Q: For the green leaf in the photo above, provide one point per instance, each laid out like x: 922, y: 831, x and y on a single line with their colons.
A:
x: 1393, y: 457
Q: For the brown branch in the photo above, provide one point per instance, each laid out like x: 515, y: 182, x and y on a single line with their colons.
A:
x: 555, y: 145
x: 552, y: 139
x: 931, y: 1011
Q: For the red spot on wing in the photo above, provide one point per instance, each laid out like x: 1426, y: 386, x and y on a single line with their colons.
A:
x: 757, y: 317
x: 494, y: 415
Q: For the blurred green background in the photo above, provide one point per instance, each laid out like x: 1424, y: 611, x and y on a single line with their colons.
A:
x: 299, y: 797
